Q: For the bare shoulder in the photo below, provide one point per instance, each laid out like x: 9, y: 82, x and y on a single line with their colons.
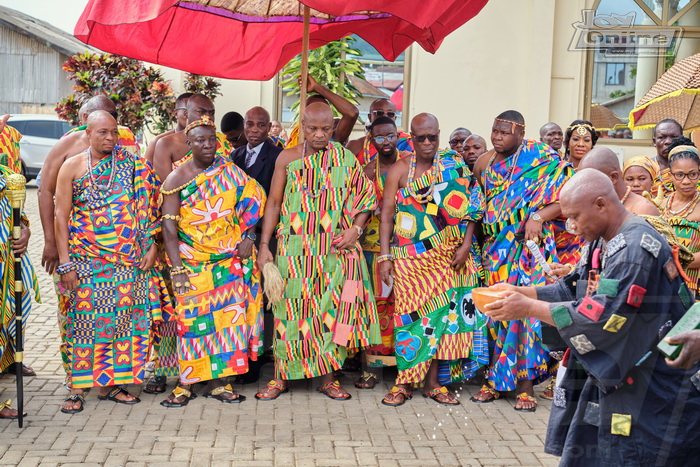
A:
x: 643, y: 206
x: 288, y: 156
x: 356, y: 145
x: 75, y: 166
x: 176, y: 178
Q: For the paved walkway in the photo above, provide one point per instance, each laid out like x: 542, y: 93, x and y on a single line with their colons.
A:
x: 301, y: 428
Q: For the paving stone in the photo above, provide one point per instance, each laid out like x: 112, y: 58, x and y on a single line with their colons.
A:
x: 300, y: 428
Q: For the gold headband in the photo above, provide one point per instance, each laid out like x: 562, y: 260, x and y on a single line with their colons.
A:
x: 581, y: 128
x: 678, y: 149
x: 513, y: 124
x: 204, y: 121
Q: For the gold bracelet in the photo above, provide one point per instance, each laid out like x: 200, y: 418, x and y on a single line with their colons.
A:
x: 359, y: 229
x: 172, y: 217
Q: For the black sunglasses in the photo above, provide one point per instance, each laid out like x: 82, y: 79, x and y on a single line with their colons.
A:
x: 422, y: 138
x: 381, y: 113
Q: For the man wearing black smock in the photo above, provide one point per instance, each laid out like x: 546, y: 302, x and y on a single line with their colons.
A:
x: 618, y: 403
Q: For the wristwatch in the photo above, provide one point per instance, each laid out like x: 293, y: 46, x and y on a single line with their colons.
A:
x: 537, y: 218
x: 250, y: 235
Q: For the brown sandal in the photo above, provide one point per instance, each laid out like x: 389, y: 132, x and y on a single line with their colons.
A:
x: 271, y: 386
x: 397, y: 391
x: 326, y: 388
x: 435, y: 393
x: 524, y: 397
x: 485, y: 389
x: 366, y: 381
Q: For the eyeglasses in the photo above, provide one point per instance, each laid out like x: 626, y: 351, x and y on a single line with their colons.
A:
x: 381, y: 113
x: 456, y: 141
x: 391, y: 137
x: 180, y: 108
x: 571, y: 226
x: 422, y: 138
x: 679, y: 176
x: 233, y: 139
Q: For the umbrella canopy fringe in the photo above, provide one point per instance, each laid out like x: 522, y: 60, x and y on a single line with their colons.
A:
x: 639, y: 111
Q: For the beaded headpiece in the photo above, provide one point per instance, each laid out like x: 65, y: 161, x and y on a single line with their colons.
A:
x: 513, y: 124
x: 581, y: 129
x: 204, y: 121
x: 682, y: 148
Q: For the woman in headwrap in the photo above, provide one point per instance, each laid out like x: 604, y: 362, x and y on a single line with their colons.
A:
x: 641, y: 174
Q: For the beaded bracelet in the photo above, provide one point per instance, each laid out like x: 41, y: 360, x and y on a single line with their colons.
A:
x: 65, y: 268
x: 175, y: 270
x: 172, y: 217
x: 383, y: 258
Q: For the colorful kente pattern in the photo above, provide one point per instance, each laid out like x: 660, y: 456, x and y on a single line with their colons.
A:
x: 109, y: 315
x: 164, y: 346
x: 513, y: 194
x: 220, y: 317
x: 9, y: 145
x: 688, y: 234
x: 328, y: 307
x: 435, y: 317
x: 568, y: 245
x: 223, y: 148
x: 369, y: 152
x: 7, y: 280
x: 382, y: 354
x: 126, y: 139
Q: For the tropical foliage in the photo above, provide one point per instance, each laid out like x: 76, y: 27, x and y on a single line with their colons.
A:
x: 331, y: 65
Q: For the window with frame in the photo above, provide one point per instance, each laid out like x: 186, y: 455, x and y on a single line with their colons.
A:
x: 630, y: 44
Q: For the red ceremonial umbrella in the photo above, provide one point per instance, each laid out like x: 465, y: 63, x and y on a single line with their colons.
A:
x: 397, y: 98
x: 254, y: 39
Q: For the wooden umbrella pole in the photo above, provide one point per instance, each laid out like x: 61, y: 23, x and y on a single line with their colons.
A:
x: 304, y: 70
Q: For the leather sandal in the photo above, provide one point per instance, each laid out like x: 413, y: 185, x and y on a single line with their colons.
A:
x: 325, y: 390
x: 435, y: 393
x: 112, y: 396
x: 524, y: 397
x: 272, y: 385
x: 217, y: 392
x: 397, y: 391
x: 177, y: 393
x: 366, y: 381
x: 485, y: 389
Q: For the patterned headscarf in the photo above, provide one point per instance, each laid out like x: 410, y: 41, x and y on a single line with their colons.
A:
x: 204, y: 121
x: 644, y: 162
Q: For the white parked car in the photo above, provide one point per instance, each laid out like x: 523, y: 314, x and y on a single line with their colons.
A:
x: 39, y: 134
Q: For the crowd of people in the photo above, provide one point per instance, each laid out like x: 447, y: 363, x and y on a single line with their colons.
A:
x: 369, y: 252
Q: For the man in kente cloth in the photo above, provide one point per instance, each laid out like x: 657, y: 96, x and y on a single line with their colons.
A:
x: 384, y: 137
x: 173, y: 150
x: 430, y: 206
x: 71, y: 144
x: 107, y: 217
x: 663, y: 135
x: 209, y: 204
x: 619, y: 402
x: 319, y: 201
x: 363, y: 147
x: 521, y: 180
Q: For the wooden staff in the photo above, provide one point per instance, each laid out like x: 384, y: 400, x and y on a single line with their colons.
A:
x: 16, y: 194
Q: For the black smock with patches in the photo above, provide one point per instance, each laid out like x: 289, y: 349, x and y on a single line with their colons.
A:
x: 619, y: 403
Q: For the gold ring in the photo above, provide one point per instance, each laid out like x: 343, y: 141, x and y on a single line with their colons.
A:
x: 536, y: 239
x: 187, y: 284
x: 178, y: 284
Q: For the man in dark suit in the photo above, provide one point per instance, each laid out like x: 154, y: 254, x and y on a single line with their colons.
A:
x: 258, y: 157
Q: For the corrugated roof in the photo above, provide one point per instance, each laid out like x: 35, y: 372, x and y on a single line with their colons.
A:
x: 42, y: 32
